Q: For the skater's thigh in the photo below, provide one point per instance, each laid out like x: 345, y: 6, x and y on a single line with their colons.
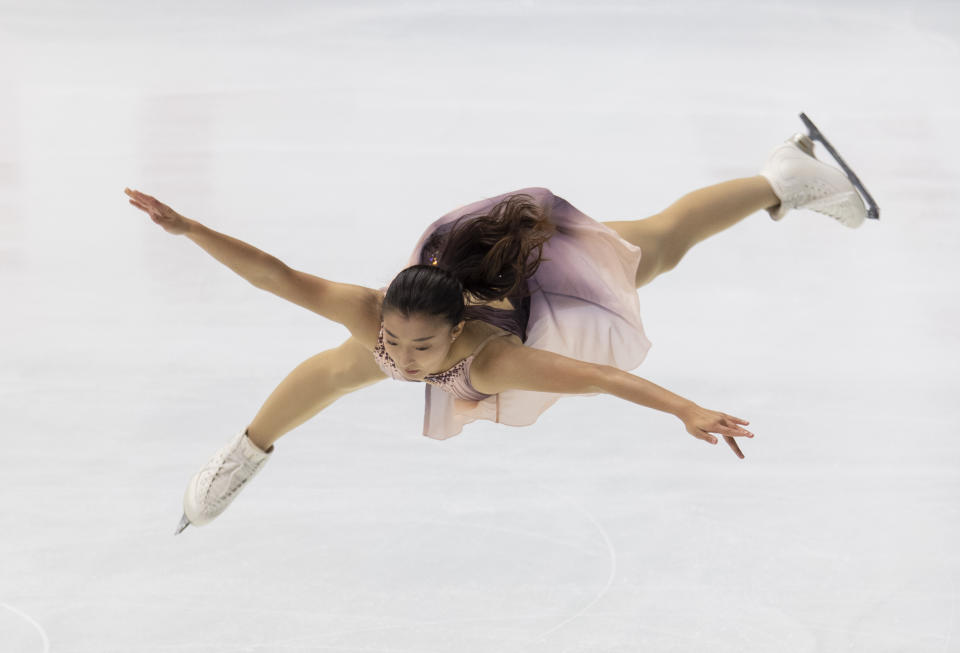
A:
x: 651, y: 236
x: 315, y: 384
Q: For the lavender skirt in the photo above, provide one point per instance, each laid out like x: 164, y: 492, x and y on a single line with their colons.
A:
x: 583, y: 305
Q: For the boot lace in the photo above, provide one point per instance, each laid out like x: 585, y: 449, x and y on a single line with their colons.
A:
x: 227, y: 472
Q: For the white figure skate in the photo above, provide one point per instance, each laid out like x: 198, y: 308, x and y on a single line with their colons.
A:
x: 801, y: 181
x: 215, y: 486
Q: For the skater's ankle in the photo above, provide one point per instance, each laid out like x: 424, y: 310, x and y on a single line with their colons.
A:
x: 772, y: 196
x: 259, y: 442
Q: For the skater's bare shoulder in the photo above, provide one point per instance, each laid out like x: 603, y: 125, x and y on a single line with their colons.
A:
x: 355, y: 307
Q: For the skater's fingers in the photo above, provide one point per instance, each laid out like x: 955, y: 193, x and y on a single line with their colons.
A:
x: 732, y: 432
x: 146, y: 209
x: 736, y: 419
x: 733, y: 445
x: 703, y: 435
x: 729, y: 427
x: 146, y: 199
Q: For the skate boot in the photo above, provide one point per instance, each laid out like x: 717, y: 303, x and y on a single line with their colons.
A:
x: 802, y: 181
x: 212, y: 489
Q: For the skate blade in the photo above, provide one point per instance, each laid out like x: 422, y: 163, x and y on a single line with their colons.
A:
x: 184, y: 522
x: 815, y: 134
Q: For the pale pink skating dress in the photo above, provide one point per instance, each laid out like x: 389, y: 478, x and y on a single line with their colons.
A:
x: 583, y: 305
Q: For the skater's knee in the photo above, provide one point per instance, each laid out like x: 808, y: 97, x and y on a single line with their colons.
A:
x: 670, y: 255
x: 341, y: 369
x: 353, y: 366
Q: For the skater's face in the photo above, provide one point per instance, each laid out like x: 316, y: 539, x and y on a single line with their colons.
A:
x: 419, y: 342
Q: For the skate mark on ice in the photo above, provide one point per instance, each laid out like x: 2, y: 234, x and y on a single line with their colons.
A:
x: 406, y: 625
x: 613, y: 563
x: 32, y: 622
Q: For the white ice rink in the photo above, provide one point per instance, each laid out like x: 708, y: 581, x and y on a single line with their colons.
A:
x: 330, y: 134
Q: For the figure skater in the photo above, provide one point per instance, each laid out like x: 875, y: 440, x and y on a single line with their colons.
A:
x: 505, y: 306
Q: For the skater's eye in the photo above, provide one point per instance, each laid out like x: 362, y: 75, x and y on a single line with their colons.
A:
x: 393, y: 344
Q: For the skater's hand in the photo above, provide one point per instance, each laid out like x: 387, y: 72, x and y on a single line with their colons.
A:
x: 700, y: 422
x: 163, y: 215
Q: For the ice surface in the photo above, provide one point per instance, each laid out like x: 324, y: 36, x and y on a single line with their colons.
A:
x: 329, y: 134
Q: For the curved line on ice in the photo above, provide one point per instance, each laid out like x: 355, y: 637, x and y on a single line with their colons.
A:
x: 30, y: 620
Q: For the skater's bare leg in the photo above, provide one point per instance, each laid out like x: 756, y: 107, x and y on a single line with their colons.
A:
x: 312, y: 386
x: 667, y: 236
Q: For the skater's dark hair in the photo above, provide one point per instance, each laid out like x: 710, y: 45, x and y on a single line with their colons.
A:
x: 488, y: 257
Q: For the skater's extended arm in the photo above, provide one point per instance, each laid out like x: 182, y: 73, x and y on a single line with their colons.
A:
x: 503, y: 365
x: 254, y: 265
x: 351, y: 305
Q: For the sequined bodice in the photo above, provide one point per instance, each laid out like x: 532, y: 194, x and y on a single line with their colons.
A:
x: 455, y: 380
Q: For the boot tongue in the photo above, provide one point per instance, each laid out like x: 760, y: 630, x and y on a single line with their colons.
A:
x: 803, y: 141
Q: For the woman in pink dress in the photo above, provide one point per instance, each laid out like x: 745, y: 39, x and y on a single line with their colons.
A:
x: 505, y: 306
